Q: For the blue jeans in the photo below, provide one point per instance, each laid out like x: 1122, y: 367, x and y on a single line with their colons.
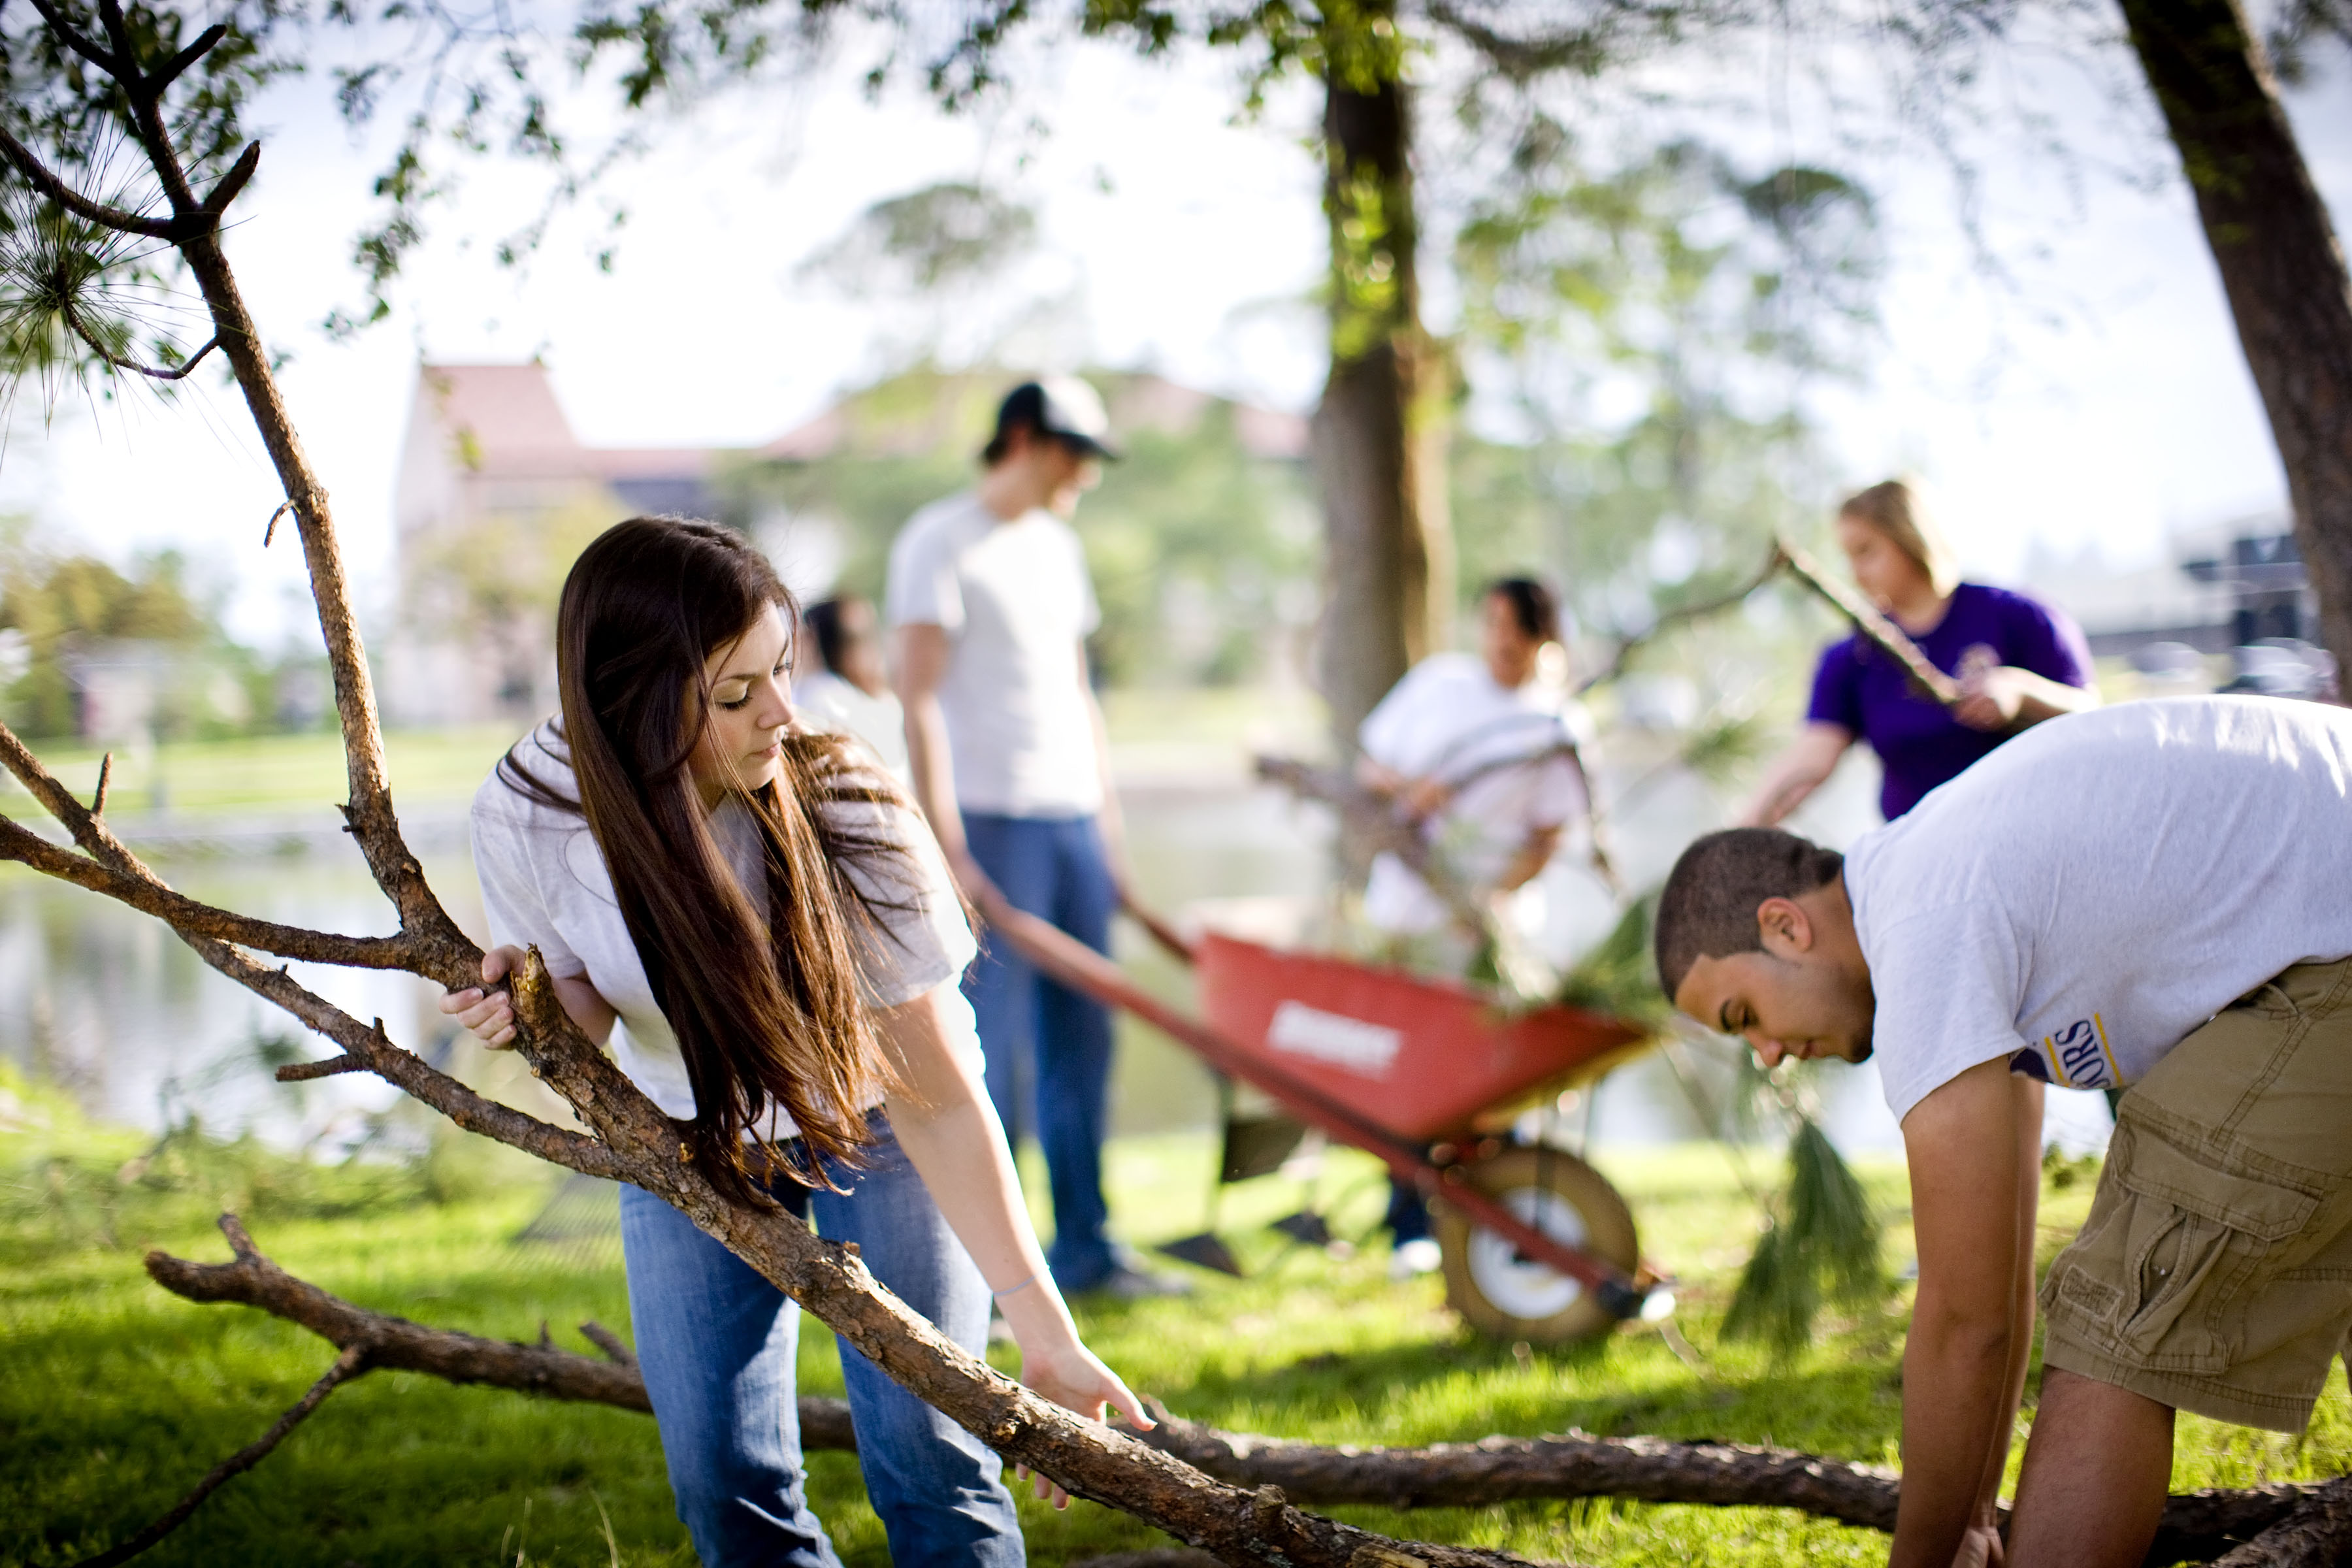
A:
x: 718, y: 1345
x: 1049, y: 1048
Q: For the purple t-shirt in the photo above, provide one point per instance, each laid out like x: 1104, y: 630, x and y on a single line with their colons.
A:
x: 1865, y: 693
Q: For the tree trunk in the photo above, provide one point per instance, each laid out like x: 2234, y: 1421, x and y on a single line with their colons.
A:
x: 2281, y: 264
x: 1380, y: 432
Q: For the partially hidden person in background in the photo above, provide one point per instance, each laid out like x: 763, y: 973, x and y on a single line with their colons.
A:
x: 990, y: 605
x: 759, y: 923
x: 1482, y: 751
x: 2017, y: 660
x: 2149, y: 897
x: 846, y: 686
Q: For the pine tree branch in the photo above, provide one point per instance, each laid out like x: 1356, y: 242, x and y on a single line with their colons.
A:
x: 50, y: 184
x: 171, y: 69
x: 179, y: 373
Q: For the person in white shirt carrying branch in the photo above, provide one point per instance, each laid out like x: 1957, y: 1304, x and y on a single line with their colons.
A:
x: 2156, y: 896
x: 755, y: 917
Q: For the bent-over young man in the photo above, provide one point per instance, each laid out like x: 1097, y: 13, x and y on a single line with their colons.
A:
x: 2156, y: 895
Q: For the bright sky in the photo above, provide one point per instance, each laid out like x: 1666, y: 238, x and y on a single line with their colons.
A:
x: 2099, y: 403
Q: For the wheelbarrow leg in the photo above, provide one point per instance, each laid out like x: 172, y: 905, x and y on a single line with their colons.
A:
x: 1208, y: 1249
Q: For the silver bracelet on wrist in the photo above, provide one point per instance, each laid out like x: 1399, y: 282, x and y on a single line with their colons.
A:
x: 1016, y: 1289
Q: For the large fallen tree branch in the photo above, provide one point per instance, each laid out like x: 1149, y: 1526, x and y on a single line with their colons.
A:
x: 2317, y: 1533
x: 2197, y: 1525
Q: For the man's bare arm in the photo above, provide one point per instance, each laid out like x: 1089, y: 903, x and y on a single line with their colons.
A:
x: 2028, y: 1094
x: 1958, y: 1394
x: 923, y: 654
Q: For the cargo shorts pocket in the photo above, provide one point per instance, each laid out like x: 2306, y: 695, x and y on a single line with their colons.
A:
x: 2174, y: 1248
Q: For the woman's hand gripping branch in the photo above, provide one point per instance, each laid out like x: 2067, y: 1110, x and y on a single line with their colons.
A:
x: 487, y: 1011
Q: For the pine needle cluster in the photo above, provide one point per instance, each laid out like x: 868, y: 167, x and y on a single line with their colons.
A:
x: 1821, y: 1245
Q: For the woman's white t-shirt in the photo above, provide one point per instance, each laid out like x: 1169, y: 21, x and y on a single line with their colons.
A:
x: 545, y: 883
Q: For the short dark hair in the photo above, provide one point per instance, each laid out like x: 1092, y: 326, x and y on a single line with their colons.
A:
x: 1534, y: 606
x: 824, y: 620
x: 1708, y: 907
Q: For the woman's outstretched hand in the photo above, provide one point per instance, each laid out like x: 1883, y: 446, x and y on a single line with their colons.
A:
x: 488, y: 1014
x: 1074, y: 1377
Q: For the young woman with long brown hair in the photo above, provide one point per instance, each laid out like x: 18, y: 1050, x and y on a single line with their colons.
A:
x: 766, y: 934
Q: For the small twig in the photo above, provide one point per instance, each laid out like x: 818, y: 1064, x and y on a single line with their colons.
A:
x: 73, y: 319
x: 347, y: 1365
x: 170, y: 71
x: 234, y: 180
x: 270, y: 532
x: 1631, y: 643
x: 105, y: 775
x: 302, y: 1072
x: 80, y: 42
x: 614, y: 1348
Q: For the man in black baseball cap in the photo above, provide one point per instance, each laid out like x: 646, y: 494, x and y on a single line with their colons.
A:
x: 991, y: 607
x: 1060, y: 407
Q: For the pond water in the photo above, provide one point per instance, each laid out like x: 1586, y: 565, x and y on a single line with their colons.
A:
x: 109, y: 1004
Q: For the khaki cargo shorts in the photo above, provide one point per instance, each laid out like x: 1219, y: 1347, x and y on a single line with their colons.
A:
x: 2215, y: 1271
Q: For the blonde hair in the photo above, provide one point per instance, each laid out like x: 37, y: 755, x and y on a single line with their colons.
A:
x: 1896, y: 509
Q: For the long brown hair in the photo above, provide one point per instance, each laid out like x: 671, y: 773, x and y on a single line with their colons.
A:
x: 644, y: 605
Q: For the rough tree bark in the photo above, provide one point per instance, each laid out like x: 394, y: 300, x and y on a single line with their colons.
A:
x: 2281, y: 264
x: 628, y: 1138
x: 1379, y: 430
x: 2316, y: 1534
x: 2196, y: 1526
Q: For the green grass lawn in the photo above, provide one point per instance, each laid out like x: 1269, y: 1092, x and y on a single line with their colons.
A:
x: 115, y: 1396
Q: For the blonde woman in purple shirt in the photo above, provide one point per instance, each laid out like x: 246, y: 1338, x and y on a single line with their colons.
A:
x: 2018, y: 661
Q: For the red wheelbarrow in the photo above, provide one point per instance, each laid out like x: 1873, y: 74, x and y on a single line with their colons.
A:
x: 1535, y: 1244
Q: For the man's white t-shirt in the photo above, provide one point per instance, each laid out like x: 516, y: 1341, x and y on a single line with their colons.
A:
x: 825, y: 700
x: 1449, y: 718
x: 1016, y: 604
x: 2098, y: 888
x: 545, y: 882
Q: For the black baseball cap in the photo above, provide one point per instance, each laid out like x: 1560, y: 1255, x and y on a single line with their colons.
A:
x: 1061, y: 407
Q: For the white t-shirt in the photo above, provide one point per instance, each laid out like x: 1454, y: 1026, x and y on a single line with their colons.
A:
x: 2098, y: 888
x: 825, y: 700
x: 544, y: 881
x: 1449, y: 718
x: 1016, y: 604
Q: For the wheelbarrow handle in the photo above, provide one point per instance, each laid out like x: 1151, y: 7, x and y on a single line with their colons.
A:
x: 1171, y: 940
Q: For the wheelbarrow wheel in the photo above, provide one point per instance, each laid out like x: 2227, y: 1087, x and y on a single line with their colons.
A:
x: 1500, y: 1292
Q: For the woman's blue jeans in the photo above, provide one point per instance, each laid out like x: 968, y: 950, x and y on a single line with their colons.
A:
x: 718, y: 1345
